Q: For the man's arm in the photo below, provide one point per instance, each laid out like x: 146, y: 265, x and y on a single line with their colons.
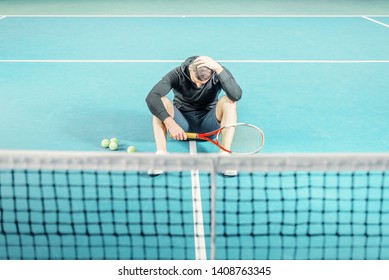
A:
x: 157, y: 108
x: 162, y: 88
x: 227, y: 81
x: 229, y: 85
x: 154, y: 101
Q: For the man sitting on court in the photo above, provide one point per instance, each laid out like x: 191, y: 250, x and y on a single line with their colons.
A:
x: 196, y: 85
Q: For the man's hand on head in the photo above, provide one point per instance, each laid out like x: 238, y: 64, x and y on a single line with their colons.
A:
x: 206, y: 61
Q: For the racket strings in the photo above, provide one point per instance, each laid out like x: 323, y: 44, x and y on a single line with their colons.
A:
x: 245, y: 139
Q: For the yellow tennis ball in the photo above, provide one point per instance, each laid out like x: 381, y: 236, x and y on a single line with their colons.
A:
x: 131, y: 149
x: 115, y: 140
x: 113, y: 146
x: 105, y: 143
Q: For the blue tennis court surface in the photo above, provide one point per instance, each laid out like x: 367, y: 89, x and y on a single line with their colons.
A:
x: 312, y: 84
x: 305, y: 106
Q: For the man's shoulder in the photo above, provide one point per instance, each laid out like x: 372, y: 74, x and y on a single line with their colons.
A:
x: 174, y: 76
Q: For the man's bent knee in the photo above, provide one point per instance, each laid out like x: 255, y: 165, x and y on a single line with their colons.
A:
x: 227, y: 103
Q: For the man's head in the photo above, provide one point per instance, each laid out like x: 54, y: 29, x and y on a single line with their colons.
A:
x: 201, y: 74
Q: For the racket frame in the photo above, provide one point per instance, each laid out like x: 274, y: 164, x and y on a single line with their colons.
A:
x: 206, y: 137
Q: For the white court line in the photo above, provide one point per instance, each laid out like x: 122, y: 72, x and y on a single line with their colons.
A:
x: 199, y: 237
x: 376, y: 21
x: 89, y: 61
x: 179, y: 61
x: 1, y: 17
x: 197, y: 16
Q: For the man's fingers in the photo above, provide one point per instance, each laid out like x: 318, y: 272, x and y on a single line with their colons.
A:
x: 199, y: 62
x: 179, y: 136
x: 205, y: 61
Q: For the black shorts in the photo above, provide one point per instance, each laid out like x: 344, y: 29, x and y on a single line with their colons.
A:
x: 197, y: 121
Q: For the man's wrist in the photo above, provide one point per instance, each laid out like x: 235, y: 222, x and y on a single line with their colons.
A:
x: 168, y: 121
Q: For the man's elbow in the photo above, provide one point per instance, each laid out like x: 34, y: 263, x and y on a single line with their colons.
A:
x: 237, y: 94
x: 150, y: 98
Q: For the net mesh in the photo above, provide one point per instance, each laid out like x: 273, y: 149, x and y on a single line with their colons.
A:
x: 104, y: 206
x: 304, y: 215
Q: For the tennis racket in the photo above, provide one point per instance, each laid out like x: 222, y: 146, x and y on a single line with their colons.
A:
x: 239, y: 138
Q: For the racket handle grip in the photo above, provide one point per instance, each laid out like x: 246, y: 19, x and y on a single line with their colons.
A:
x: 191, y: 135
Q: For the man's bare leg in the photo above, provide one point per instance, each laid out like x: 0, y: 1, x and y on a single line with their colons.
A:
x: 226, y: 113
x: 160, y: 132
x: 159, y: 127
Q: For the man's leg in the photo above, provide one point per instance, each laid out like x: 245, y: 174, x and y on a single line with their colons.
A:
x: 160, y: 133
x: 226, y: 114
x: 159, y: 127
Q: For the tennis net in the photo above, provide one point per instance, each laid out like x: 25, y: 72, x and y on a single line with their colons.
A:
x: 87, y: 205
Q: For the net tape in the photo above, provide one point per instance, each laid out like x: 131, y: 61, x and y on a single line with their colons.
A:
x: 183, y: 162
